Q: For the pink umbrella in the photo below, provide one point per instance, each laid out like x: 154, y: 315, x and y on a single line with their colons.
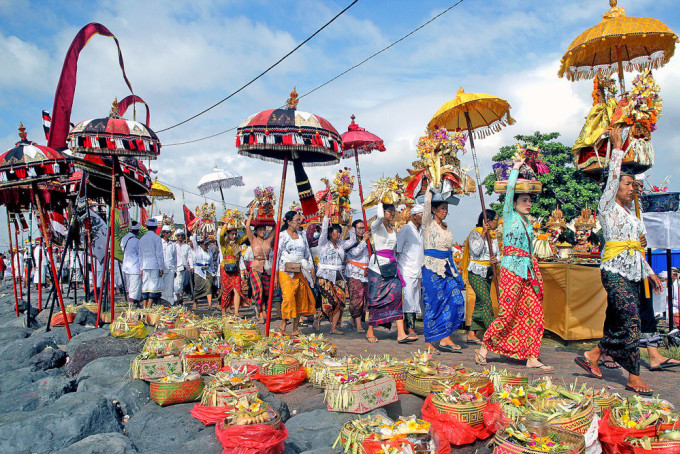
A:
x: 358, y: 141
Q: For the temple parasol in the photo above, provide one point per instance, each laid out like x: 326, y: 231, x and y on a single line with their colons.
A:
x: 280, y: 135
x: 481, y: 115
x: 618, y: 43
x: 27, y: 172
x: 219, y: 179
x: 358, y: 141
x: 159, y: 191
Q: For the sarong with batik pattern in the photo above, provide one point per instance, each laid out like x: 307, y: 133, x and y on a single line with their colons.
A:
x: 518, y: 329
x: 482, y: 315
x: 358, y: 296
x: 334, y: 297
x: 231, y: 283
x: 621, y: 334
x: 384, y: 299
x: 444, y: 304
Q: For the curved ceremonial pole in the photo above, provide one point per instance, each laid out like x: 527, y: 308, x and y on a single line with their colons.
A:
x: 481, y: 197
x: 112, y: 232
x: 48, y: 245
x: 13, y: 263
x: 272, y: 278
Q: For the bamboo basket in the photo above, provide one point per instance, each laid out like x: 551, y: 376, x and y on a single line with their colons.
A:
x: 503, y: 445
x: 471, y: 413
x: 220, y: 397
x: 421, y: 384
x: 153, y: 318
x: 579, y: 422
x: 333, y: 370
x: 603, y: 403
x: 188, y: 332
x: 149, y: 369
x: 172, y: 346
x: 176, y: 393
x: 239, y: 363
x: 275, y: 422
x: 513, y: 380
x: 347, y: 433
x: 203, y: 364
x: 396, y: 371
x: 280, y: 368
x: 211, y: 334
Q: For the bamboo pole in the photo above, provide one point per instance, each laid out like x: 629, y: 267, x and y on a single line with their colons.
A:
x: 272, y: 278
x: 20, y: 266
x: 361, y: 197
x: 13, y: 262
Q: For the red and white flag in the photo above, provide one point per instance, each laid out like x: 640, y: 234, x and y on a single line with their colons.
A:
x: 58, y: 223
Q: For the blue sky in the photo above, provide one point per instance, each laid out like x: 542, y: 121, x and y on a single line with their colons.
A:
x: 183, y: 56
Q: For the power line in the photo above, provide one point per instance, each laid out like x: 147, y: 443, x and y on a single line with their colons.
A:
x: 334, y: 78
x: 265, y: 71
x: 203, y: 196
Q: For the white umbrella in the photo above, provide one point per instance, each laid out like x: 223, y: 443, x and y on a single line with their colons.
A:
x: 219, y: 179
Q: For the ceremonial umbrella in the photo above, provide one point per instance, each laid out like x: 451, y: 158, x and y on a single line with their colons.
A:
x: 358, y: 141
x: 282, y: 134
x: 481, y: 115
x: 115, y: 137
x: 159, y: 191
x: 618, y: 43
x: 218, y: 179
x: 25, y: 173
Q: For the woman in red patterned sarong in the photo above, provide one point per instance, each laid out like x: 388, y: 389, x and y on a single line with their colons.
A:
x: 518, y: 329
x: 260, y: 267
x: 230, y: 272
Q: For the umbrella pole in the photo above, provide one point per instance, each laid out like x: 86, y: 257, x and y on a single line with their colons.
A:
x: 619, y: 57
x: 361, y: 197
x: 48, y: 245
x: 224, y: 205
x: 272, y: 278
x: 481, y: 197
x: 40, y: 268
x: 20, y: 266
x: 13, y: 262
x: 112, y: 232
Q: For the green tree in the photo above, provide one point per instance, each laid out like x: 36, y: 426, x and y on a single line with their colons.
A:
x: 564, y: 186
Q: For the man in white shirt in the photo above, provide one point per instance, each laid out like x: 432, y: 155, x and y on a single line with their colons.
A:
x: 133, y: 277
x: 40, y: 264
x: 185, y: 261
x: 152, y: 264
x: 410, y: 261
x: 170, y: 259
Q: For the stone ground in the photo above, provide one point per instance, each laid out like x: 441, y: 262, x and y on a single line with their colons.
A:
x: 61, y: 396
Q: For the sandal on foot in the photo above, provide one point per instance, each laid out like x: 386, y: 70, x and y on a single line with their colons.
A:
x: 665, y: 365
x: 641, y: 390
x: 542, y: 367
x: 584, y: 364
x: 372, y: 339
x: 449, y: 348
x: 610, y: 364
x: 479, y: 359
x: 406, y: 340
x: 473, y: 341
x: 337, y: 332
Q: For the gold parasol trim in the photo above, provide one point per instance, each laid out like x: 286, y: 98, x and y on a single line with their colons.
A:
x: 645, y: 43
x: 488, y: 114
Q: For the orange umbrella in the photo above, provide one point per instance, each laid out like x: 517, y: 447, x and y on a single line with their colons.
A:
x: 618, y: 43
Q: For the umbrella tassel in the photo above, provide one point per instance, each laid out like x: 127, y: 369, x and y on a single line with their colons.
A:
x: 238, y: 140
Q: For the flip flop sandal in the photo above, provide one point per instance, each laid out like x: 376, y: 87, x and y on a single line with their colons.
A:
x: 448, y: 349
x: 476, y: 341
x: 641, y: 390
x: 372, y: 339
x: 584, y: 364
x: 406, y: 340
x: 665, y: 365
x: 479, y: 359
x: 610, y: 364
x: 338, y: 333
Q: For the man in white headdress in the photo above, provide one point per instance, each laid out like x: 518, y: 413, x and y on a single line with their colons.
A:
x: 152, y: 264
x: 410, y: 261
x: 170, y: 259
x: 185, y: 261
x: 133, y: 276
x: 40, y: 264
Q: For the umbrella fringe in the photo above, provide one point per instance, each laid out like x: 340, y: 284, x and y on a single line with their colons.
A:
x: 574, y: 74
x: 244, y: 150
x: 494, y: 127
x: 499, y: 106
x: 213, y: 186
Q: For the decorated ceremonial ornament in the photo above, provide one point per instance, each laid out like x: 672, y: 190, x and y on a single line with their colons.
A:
x: 233, y: 219
x: 264, y: 202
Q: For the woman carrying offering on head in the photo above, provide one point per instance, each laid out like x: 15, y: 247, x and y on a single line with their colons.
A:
x: 622, y: 271
x: 384, y: 280
x: 356, y: 271
x: 261, y: 266
x: 442, y: 285
x: 295, y: 271
x: 332, y: 287
x: 230, y: 272
x: 518, y: 329
x: 478, y: 271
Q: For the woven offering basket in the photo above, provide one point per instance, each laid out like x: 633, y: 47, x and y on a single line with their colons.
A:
x: 238, y: 363
x: 503, y: 445
x: 220, y: 397
x: 604, y: 403
x: 211, y: 334
x: 188, y: 332
x: 422, y: 384
x: 149, y: 369
x: 472, y: 383
x: 176, y: 393
x: 470, y: 412
x: 203, y: 364
x: 347, y: 433
x: 333, y: 370
x: 275, y: 421
x: 513, y: 380
x: 280, y: 368
x: 522, y: 187
x: 579, y: 422
x: 396, y: 371
x: 153, y: 319
x: 171, y: 346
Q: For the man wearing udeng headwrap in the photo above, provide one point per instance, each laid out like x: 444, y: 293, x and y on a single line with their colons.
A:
x: 410, y: 259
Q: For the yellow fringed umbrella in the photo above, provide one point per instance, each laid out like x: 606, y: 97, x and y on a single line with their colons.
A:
x: 487, y: 114
x: 618, y: 43
x: 160, y: 191
x: 482, y: 115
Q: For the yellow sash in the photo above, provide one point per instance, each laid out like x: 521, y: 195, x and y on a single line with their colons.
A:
x: 463, y: 265
x: 614, y: 248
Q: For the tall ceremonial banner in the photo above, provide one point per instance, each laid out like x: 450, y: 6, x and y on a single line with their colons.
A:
x: 99, y: 233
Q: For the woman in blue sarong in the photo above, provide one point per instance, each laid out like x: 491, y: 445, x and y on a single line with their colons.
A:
x: 442, y: 285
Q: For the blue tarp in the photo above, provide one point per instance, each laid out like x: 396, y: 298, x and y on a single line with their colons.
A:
x: 659, y: 259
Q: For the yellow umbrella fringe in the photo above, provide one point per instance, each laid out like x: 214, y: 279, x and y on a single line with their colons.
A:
x: 492, y: 104
x: 574, y: 74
